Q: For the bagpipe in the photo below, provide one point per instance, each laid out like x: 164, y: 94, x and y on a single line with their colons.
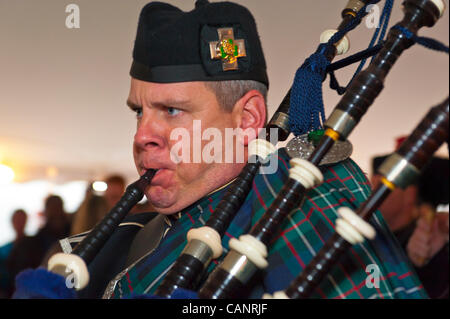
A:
x: 74, y: 266
x: 248, y: 254
x: 204, y: 244
x: 398, y: 170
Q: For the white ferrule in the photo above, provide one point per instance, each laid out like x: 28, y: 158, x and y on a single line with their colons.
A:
x: 360, y: 224
x: 440, y: 4
x: 209, y: 236
x: 260, y: 147
x: 276, y: 295
x: 352, y: 227
x: 249, y: 246
x: 305, y: 173
x: 348, y: 232
x: 75, y: 265
x: 342, y: 46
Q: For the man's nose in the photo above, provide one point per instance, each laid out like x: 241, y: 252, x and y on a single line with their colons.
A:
x: 150, y: 134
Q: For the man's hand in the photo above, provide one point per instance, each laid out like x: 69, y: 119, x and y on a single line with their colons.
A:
x: 430, y: 235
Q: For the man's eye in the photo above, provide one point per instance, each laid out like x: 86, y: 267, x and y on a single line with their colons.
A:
x: 138, y: 112
x: 173, y: 111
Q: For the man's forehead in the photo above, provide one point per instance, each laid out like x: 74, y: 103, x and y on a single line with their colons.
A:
x: 164, y: 93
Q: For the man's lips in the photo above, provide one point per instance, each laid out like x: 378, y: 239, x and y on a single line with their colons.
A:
x: 161, y: 177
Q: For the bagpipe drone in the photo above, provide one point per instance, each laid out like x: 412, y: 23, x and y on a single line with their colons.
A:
x: 247, y: 254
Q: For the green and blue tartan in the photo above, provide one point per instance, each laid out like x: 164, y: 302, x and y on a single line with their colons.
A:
x: 302, y: 235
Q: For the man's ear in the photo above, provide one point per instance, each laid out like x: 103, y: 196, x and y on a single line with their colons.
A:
x: 249, y: 113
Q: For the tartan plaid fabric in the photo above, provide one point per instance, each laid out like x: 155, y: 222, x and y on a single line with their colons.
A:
x: 302, y: 235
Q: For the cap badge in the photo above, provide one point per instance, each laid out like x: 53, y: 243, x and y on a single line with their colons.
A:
x: 227, y: 48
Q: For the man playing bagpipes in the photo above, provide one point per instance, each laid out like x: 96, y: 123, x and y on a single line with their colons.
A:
x: 195, y: 76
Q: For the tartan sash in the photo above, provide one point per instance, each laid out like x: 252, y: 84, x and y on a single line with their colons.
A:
x: 302, y: 235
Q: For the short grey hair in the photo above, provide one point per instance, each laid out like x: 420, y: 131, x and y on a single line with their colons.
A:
x: 229, y: 92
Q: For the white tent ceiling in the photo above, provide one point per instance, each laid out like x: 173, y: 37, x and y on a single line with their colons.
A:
x: 63, y: 91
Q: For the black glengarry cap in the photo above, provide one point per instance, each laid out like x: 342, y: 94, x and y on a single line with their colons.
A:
x: 214, y: 42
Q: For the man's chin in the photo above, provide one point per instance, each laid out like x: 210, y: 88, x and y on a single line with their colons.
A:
x: 163, y: 200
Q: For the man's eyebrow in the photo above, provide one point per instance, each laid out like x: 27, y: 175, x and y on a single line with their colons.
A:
x: 132, y: 105
x: 171, y: 103
x: 165, y: 103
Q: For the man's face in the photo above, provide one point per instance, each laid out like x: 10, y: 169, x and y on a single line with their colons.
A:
x: 162, y: 108
x: 19, y: 221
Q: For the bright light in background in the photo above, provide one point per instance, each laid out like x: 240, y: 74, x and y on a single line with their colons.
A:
x: 30, y: 197
x: 6, y: 174
x: 51, y: 172
x: 99, y: 186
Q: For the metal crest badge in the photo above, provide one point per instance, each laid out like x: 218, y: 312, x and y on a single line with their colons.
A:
x: 228, y: 49
x: 302, y: 146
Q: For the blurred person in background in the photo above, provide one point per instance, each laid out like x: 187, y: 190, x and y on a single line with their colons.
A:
x: 57, y: 222
x: 427, y: 246
x: 18, y: 221
x: 95, y: 207
x: 30, y: 252
x: 423, y: 232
